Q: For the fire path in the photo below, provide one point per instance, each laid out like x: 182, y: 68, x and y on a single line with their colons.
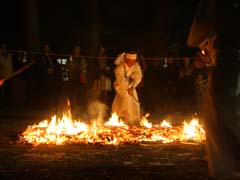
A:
x: 145, y: 160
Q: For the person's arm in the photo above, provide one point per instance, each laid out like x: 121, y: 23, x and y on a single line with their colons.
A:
x: 136, y: 76
x: 120, y: 59
x: 121, y: 78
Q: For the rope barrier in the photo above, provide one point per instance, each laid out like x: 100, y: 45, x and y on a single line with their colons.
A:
x: 96, y: 57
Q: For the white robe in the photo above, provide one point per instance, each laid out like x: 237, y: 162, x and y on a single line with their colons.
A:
x: 125, y: 105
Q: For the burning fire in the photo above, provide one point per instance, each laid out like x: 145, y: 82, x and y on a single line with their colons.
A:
x: 113, y: 132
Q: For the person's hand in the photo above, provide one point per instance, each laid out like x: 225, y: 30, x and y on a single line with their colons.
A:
x: 119, y: 59
x: 1, y: 82
x: 130, y: 91
x: 122, y: 55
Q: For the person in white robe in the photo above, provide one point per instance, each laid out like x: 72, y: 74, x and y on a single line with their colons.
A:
x: 128, y: 75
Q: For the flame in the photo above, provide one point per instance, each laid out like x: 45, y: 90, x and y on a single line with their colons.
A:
x: 114, y: 121
x: 144, y: 122
x: 193, y: 131
x: 65, y: 130
x: 166, y: 124
x: 203, y: 52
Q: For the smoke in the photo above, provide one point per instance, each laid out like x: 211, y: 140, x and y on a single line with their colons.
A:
x: 97, y: 110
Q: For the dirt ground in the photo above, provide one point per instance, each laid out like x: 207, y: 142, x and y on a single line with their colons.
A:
x: 76, y: 161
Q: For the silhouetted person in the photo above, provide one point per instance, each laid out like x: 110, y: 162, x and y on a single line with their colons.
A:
x: 77, y: 89
x: 48, y: 78
x: 102, y: 85
x: 215, y: 30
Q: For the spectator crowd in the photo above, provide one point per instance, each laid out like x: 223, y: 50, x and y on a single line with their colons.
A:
x: 168, y: 85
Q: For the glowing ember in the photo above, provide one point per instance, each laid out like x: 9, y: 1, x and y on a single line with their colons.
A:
x: 113, y: 132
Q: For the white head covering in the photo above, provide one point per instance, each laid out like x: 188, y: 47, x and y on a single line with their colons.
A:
x: 120, y: 59
x: 131, y: 56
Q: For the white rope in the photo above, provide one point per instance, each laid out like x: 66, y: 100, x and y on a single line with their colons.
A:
x: 96, y: 57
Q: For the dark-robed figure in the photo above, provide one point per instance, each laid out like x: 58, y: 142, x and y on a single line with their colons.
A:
x: 215, y: 30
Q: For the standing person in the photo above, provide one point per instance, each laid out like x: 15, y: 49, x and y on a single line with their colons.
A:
x: 6, y: 68
x: 77, y: 91
x: 171, y: 72
x: 128, y: 75
x: 51, y: 71
x: 192, y: 84
x: 210, y: 32
x: 186, y: 90
x: 102, y: 84
x: 154, y: 81
x: 200, y: 74
x: 47, y: 73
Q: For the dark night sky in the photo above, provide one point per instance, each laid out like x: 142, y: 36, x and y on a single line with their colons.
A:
x: 153, y: 25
